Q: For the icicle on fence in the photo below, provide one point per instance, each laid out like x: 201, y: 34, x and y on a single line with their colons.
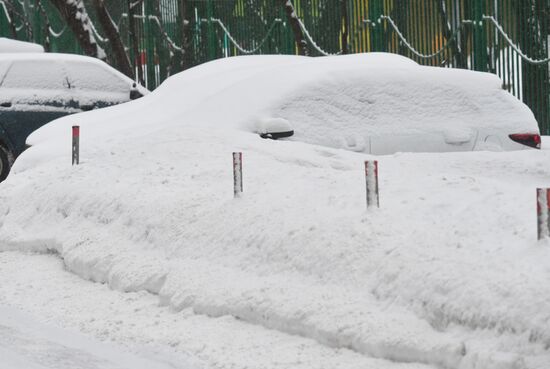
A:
x: 543, y: 206
x: 76, y: 145
x: 237, y: 173
x: 371, y: 174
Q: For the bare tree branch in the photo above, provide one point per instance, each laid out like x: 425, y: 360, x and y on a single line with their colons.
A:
x: 299, y: 38
x: 47, y: 25
x: 456, y: 48
x: 113, y: 34
x: 345, y: 26
x: 134, y: 40
x: 185, y: 30
x: 75, y: 15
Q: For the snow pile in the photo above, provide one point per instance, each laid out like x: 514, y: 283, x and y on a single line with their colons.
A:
x: 446, y: 273
x: 14, y: 46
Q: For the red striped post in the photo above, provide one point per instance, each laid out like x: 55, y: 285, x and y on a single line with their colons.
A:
x: 76, y: 145
x: 237, y: 173
x: 543, y: 209
x: 371, y: 174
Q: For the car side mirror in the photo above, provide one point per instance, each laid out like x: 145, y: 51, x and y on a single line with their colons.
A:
x: 134, y: 92
x: 274, y: 128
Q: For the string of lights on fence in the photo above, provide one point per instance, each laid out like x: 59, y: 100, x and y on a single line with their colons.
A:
x: 512, y: 44
x: 407, y: 43
x: 237, y: 45
x: 57, y: 34
x: 487, y: 18
x: 312, y: 41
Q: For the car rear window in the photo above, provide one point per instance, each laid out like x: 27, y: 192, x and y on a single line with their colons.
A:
x: 35, y: 74
x: 90, y: 76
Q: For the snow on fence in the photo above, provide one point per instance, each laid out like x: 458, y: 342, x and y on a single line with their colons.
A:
x: 371, y: 174
x: 76, y: 145
x: 237, y: 173
x: 543, y: 206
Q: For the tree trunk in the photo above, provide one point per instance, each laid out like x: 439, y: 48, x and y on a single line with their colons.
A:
x: 76, y: 17
x: 185, y: 30
x: 47, y: 25
x: 299, y: 38
x: 113, y: 34
x: 134, y: 41
x: 534, y: 27
x: 345, y: 26
x: 457, y: 49
x: 12, y: 13
x: 13, y: 29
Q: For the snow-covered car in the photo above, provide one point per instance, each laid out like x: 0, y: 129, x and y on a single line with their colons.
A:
x: 372, y: 103
x: 38, y: 88
x: 8, y: 45
x: 385, y: 104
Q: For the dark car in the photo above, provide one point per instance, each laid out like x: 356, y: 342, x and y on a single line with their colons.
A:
x: 38, y: 88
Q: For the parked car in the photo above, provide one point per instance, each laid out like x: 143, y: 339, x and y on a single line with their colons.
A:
x: 375, y: 103
x: 8, y: 45
x: 38, y: 88
x: 382, y: 104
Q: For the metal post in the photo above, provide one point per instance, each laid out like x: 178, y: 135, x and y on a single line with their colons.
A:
x: 210, y: 31
x: 480, y: 38
x: 237, y: 173
x: 371, y: 174
x: 76, y: 145
x: 375, y: 10
x: 543, y: 206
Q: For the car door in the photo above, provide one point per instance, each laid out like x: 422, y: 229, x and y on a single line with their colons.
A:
x: 447, y: 140
x: 33, y: 93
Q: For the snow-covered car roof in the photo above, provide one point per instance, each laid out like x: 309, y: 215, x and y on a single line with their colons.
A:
x: 8, y: 45
x: 58, y: 57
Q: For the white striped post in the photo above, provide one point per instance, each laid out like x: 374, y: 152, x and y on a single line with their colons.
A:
x: 543, y: 207
x: 371, y: 174
x: 76, y: 145
x: 237, y: 173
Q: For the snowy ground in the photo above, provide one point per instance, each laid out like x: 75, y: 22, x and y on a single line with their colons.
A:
x: 463, y: 285
x: 296, y: 273
x: 28, y: 344
x: 170, y: 339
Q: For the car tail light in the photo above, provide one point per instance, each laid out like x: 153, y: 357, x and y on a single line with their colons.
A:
x: 527, y: 139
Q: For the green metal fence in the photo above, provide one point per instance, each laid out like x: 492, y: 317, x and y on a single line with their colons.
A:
x: 507, y: 37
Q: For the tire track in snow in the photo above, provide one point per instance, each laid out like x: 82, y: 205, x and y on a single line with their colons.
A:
x: 336, y: 320
x: 132, y: 318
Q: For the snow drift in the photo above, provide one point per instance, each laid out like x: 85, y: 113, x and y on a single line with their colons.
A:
x: 446, y: 273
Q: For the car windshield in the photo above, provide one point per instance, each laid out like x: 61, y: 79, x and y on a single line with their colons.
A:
x: 34, y: 74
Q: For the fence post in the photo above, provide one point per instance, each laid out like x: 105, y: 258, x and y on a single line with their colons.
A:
x: 210, y: 36
x: 480, y: 56
x: 237, y: 173
x: 371, y: 174
x: 376, y: 9
x: 76, y: 145
x: 543, y: 206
